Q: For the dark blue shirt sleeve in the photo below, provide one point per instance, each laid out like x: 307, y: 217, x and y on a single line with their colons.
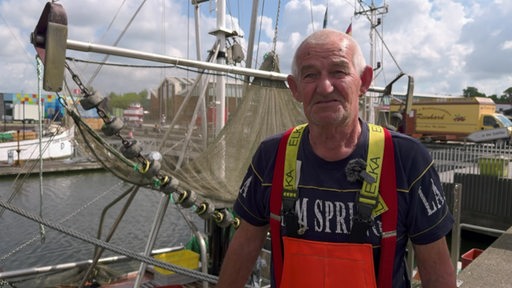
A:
x: 424, y: 212
x: 252, y: 203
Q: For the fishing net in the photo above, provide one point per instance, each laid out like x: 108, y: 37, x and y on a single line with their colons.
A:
x: 211, y: 168
x: 217, y: 172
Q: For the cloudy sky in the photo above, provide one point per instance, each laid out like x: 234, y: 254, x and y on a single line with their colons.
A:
x: 446, y: 45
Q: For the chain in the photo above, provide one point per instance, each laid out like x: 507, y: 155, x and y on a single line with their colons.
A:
x: 76, y: 79
x: 86, y: 93
x: 101, y: 112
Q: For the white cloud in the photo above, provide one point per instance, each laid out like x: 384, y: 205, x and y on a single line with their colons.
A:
x: 446, y: 45
x: 507, y: 45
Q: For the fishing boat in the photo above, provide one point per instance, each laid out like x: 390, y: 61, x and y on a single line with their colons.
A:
x: 55, y: 143
x: 206, y: 182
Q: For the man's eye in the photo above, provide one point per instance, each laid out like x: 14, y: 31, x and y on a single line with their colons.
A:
x: 340, y: 73
x: 310, y: 75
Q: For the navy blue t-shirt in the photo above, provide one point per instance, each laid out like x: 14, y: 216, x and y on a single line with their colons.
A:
x: 327, y: 200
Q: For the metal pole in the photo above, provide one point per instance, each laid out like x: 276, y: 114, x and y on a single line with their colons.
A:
x: 371, y: 13
x: 18, y: 150
x: 482, y: 229
x: 157, y: 222
x: 98, y: 251
x: 250, y: 43
x: 40, y: 115
x: 5, y: 115
x: 221, y: 60
x: 455, y: 245
x: 61, y: 267
x: 198, y: 35
x: 202, y: 83
x: 373, y: 25
x: 129, y: 53
x: 23, y: 119
x: 201, y: 242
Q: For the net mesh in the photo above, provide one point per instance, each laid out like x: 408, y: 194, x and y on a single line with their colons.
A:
x: 214, y: 171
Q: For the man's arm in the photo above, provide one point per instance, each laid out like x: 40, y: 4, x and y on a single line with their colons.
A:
x: 434, y: 264
x: 241, y: 256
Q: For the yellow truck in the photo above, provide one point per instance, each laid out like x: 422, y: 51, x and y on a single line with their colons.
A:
x: 452, y: 119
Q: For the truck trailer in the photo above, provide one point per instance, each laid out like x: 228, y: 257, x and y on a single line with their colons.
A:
x: 28, y: 113
x: 452, y: 119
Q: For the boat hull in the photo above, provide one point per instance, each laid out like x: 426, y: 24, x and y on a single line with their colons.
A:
x: 54, y: 147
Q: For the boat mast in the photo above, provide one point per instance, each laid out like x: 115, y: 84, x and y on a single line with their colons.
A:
x: 196, y: 21
x: 220, y: 33
x: 252, y: 32
x: 372, y: 13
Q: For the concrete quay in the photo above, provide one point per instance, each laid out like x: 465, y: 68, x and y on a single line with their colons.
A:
x: 492, y: 268
x: 49, y: 166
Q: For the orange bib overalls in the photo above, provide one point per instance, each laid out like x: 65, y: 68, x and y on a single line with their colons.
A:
x: 325, y: 264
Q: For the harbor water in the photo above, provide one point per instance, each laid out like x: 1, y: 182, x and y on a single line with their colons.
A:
x: 76, y: 201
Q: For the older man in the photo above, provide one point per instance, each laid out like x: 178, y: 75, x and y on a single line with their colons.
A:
x: 343, y: 219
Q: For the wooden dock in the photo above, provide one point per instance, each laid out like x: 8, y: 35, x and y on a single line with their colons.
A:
x: 49, y: 166
x: 492, y: 268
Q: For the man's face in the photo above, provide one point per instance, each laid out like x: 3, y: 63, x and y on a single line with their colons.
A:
x: 328, y: 84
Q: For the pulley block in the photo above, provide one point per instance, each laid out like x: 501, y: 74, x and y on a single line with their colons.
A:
x: 236, y: 222
x: 205, y: 209
x: 154, y: 168
x: 112, y: 127
x: 171, y: 186
x: 131, y: 149
x: 237, y: 52
x: 223, y: 218
x: 50, y: 39
x: 92, y: 101
x: 186, y: 199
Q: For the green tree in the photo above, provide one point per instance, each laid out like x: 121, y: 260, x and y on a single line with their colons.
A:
x: 495, y: 98
x: 123, y: 101
x: 472, y: 92
x: 143, y: 95
x: 507, y: 95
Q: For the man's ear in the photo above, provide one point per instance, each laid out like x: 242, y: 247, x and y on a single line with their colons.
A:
x: 366, y: 79
x: 293, y: 87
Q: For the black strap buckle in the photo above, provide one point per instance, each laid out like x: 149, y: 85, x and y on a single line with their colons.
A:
x: 291, y: 219
x: 362, y: 222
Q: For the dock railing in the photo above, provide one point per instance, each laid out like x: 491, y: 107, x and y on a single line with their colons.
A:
x: 485, y: 173
x: 477, y: 181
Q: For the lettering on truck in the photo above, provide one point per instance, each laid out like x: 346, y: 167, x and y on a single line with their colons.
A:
x: 450, y: 118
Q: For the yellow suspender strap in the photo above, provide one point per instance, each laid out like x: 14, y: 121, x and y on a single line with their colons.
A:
x: 369, y: 199
x: 291, y: 166
x: 290, y: 181
x: 369, y: 194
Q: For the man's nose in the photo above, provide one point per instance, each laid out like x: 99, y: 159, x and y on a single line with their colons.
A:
x: 325, y: 85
